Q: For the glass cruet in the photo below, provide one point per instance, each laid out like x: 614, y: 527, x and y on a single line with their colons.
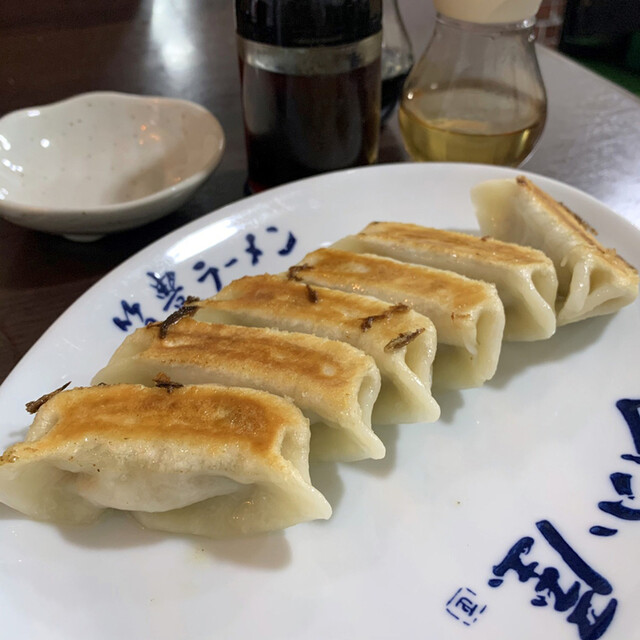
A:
x: 396, y: 57
x: 476, y: 95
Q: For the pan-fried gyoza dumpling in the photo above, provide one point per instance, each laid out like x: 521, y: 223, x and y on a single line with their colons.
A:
x: 402, y: 342
x: 334, y: 384
x: 592, y: 280
x: 208, y: 460
x: 525, y: 277
x: 467, y: 314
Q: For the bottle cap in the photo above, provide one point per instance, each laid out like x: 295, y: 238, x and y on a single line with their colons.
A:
x: 307, y: 23
x: 488, y: 11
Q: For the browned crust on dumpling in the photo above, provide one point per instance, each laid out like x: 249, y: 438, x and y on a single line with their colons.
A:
x: 34, y: 405
x: 276, y: 296
x: 207, y: 418
x: 450, y: 289
x: 564, y: 216
x: 330, y: 364
x: 440, y: 241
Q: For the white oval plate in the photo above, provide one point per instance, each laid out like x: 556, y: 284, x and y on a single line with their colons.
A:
x: 419, y: 543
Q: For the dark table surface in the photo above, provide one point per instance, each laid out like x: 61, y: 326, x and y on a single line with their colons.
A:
x: 47, y: 54
x: 50, y: 51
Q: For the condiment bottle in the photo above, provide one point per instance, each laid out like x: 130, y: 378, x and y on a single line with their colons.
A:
x: 476, y: 95
x: 310, y: 75
x: 397, y: 56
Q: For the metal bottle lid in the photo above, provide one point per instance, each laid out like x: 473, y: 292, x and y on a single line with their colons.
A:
x: 308, y: 23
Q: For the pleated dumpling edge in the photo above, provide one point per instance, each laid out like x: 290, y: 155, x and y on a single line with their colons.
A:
x: 238, y: 457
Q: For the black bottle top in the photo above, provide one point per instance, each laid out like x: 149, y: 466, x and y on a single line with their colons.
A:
x: 308, y: 23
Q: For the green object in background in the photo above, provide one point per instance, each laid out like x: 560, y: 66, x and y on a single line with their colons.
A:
x: 632, y: 60
x: 604, y: 35
x: 617, y: 60
x: 623, y: 77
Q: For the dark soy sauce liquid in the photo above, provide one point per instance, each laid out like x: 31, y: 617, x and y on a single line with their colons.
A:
x: 391, y: 88
x: 299, y: 126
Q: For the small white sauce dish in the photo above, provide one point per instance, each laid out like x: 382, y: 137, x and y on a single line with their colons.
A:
x: 103, y: 162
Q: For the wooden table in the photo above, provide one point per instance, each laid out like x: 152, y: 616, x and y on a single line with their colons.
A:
x: 49, y: 51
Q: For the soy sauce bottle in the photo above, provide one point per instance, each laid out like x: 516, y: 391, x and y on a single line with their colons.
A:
x: 310, y: 77
x: 396, y: 58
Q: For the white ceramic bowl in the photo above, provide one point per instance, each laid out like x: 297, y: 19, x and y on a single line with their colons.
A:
x: 103, y: 162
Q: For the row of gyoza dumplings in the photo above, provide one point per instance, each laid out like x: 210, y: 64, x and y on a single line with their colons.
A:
x: 353, y: 334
